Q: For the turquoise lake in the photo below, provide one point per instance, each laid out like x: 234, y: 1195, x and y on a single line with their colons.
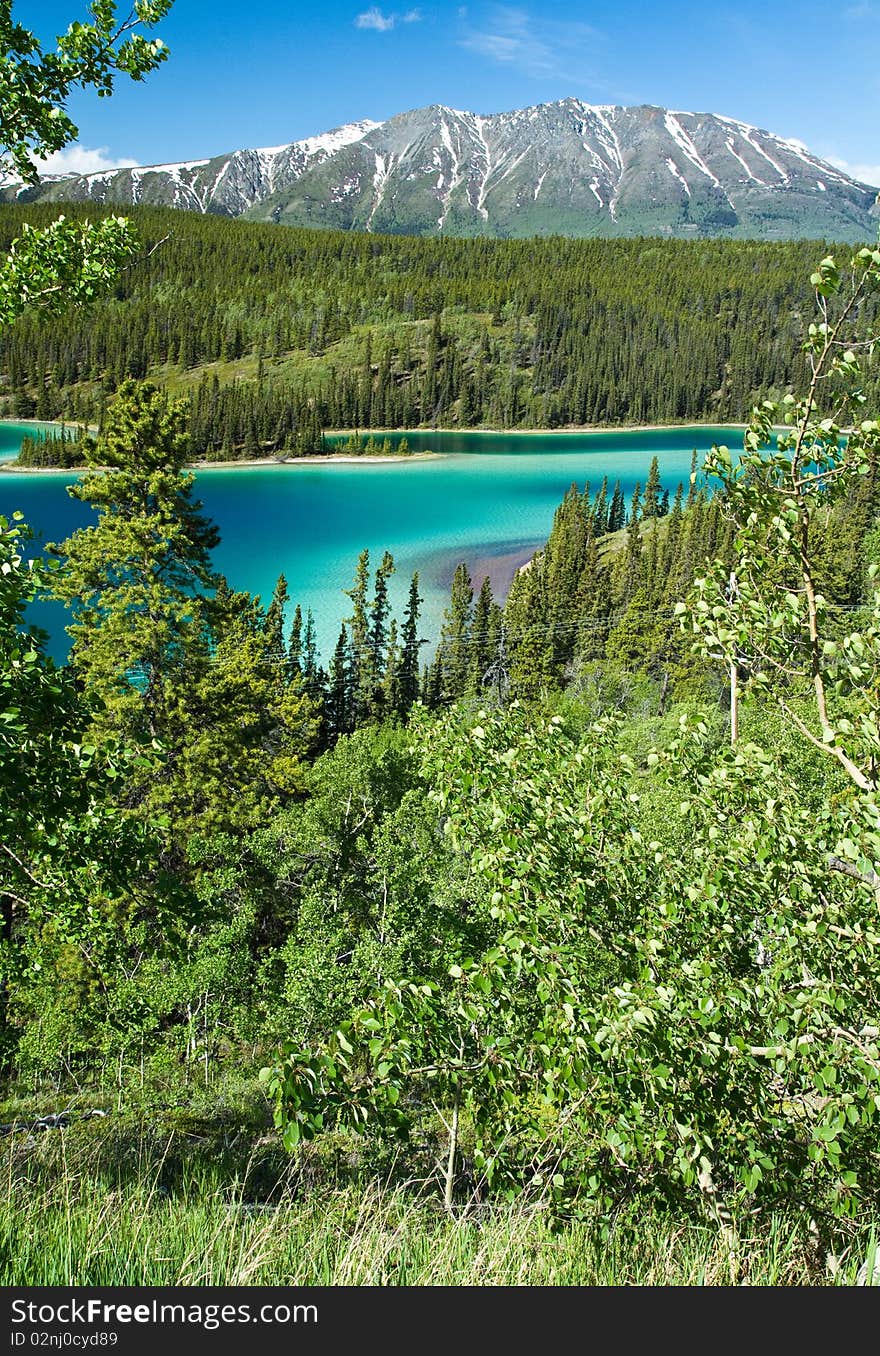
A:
x: 488, y: 500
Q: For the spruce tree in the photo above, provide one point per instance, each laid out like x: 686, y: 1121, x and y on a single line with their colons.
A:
x: 600, y: 510
x: 137, y: 581
x: 375, y: 698
x: 635, y: 511
x: 651, y: 507
x: 311, y: 670
x: 692, y: 483
x: 295, y: 643
x: 391, y: 676
x: 482, y: 648
x: 362, y: 667
x: 274, y: 625
x: 617, y: 512
x: 628, y: 566
x: 338, y: 705
x: 408, y: 672
x: 453, y: 651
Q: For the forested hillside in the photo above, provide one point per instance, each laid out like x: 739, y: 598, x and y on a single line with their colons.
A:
x: 582, y: 913
x: 275, y: 334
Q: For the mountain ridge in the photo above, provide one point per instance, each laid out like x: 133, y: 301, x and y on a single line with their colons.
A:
x: 564, y: 168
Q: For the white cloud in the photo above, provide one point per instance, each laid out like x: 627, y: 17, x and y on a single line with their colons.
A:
x: 537, y: 45
x: 374, y: 18
x: 866, y: 174
x: 512, y: 40
x: 383, y: 23
x: 78, y: 159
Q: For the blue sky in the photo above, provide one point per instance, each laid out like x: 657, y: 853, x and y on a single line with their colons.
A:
x: 268, y: 72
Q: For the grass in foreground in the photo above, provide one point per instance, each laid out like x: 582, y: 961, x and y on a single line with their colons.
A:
x: 103, y: 1205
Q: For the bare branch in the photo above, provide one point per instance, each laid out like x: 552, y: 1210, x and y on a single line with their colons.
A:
x: 852, y: 770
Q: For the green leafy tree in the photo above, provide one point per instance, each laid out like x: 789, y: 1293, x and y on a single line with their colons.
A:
x: 492, y: 1040
x: 631, y: 1020
x: 369, y: 881
x: 768, y: 617
x: 67, y: 262
x: 69, y: 918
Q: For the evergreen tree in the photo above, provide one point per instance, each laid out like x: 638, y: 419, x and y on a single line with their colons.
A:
x: 600, y: 510
x: 248, y: 728
x: 312, y: 675
x: 380, y: 651
x: 617, y: 512
x: 338, y: 705
x: 453, y: 651
x: 634, y: 639
x: 408, y: 672
x: 391, y: 678
x: 274, y: 625
x: 137, y: 581
x: 363, y: 670
x: 175, y: 665
x: 483, y: 641
x: 692, y: 482
x: 629, y: 565
x: 651, y: 507
x: 295, y: 655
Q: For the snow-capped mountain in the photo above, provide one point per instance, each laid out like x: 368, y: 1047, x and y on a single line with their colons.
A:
x: 567, y: 168
x: 227, y: 184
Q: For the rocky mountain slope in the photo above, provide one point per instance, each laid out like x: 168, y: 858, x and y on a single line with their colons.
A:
x: 566, y: 168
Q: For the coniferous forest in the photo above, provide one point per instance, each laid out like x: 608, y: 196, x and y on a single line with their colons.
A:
x: 273, y: 334
x: 543, y: 950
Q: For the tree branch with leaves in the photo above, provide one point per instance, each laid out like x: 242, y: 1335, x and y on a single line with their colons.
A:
x: 67, y: 263
x: 803, y: 455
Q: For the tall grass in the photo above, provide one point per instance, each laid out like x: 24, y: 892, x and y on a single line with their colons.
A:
x: 91, y: 1206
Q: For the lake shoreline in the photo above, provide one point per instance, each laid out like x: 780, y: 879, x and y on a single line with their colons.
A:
x: 351, y: 458
x: 535, y: 432
x: 12, y: 468
x: 346, y: 458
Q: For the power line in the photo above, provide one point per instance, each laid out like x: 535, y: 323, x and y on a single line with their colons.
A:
x: 474, y: 640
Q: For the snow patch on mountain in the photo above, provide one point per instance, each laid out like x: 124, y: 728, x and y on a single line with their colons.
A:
x: 683, y: 141
x: 677, y: 174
